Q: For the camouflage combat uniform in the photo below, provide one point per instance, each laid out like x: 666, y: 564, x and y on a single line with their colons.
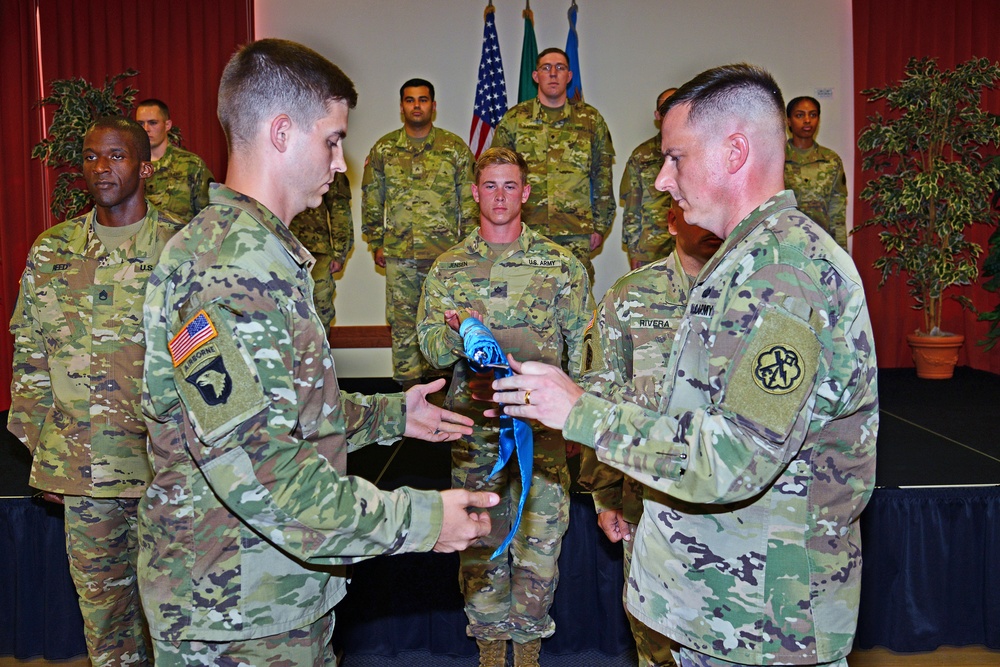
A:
x: 249, y: 506
x: 327, y: 231
x: 569, y: 171
x: 628, y: 351
x: 644, y: 208
x: 78, y: 351
x: 816, y: 175
x: 416, y: 203
x: 534, y: 296
x: 761, y: 454
x: 179, y: 184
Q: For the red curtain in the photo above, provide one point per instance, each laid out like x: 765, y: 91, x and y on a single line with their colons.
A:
x: 886, y: 35
x: 179, y: 48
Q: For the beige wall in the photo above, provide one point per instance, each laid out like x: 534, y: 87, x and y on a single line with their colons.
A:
x: 630, y: 50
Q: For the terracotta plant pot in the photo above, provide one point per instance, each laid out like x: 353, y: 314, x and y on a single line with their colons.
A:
x: 935, y: 356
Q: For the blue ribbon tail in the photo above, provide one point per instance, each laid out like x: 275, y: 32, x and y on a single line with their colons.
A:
x: 525, y: 445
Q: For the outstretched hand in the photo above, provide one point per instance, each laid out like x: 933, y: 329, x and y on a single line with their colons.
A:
x: 536, y: 391
x: 462, y: 528
x: 426, y: 421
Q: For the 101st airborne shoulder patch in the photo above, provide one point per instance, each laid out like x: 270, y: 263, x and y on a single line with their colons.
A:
x: 216, y: 382
x: 775, y: 372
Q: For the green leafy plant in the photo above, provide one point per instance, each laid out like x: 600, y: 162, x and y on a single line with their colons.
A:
x: 991, y: 269
x: 932, y: 181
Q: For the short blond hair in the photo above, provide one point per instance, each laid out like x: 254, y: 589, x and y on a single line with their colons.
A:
x: 492, y: 156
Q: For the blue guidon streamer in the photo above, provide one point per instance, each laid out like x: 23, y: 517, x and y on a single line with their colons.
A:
x: 484, y: 354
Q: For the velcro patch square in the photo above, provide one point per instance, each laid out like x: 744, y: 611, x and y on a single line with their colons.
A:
x: 198, y: 331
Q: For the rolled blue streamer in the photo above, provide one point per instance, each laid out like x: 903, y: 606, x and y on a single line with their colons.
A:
x: 484, y: 353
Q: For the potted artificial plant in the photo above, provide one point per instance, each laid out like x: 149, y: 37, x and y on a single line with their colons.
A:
x: 931, y: 184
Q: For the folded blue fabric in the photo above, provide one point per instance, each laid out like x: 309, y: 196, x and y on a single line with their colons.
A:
x: 484, y: 354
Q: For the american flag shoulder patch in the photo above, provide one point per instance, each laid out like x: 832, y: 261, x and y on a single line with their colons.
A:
x: 198, y: 331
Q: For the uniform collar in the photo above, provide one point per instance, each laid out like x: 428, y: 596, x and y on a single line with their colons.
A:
x: 220, y: 195
x: 403, y: 140
x: 538, y: 109
x: 476, y: 245
x: 782, y: 200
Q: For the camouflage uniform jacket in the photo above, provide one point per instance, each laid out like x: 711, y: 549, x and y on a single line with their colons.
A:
x: 328, y: 229
x: 78, y: 350
x: 629, y: 348
x: 761, y: 455
x: 816, y: 175
x: 249, y: 504
x: 644, y: 208
x: 179, y: 184
x: 535, y: 298
x: 416, y: 199
x: 569, y: 163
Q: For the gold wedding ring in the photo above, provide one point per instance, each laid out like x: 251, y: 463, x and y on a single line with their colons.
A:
x: 527, y: 397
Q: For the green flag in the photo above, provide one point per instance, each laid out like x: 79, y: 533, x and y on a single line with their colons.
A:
x: 527, y: 88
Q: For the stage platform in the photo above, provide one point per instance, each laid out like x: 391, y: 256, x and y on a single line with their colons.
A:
x: 931, y: 537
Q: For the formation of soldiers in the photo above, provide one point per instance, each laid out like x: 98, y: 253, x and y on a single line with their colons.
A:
x: 236, y: 519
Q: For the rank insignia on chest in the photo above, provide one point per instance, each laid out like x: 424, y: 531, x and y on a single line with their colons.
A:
x: 198, y: 331
x: 778, y: 369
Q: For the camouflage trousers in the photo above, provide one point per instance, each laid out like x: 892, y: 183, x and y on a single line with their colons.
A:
x: 302, y: 647
x: 324, y: 291
x: 509, y: 598
x: 686, y: 657
x: 404, y: 280
x: 102, y: 547
x: 653, y: 649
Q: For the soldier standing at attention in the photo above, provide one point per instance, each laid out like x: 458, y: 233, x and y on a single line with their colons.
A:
x: 814, y: 173
x: 644, y: 208
x: 535, y: 297
x: 416, y: 203
x: 635, y: 330
x: 327, y: 231
x: 569, y: 153
x: 180, y: 179
x: 78, y: 351
x: 250, y: 511
x: 762, y: 456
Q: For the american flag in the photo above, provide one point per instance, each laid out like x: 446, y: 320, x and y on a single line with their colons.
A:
x: 199, y: 330
x: 491, y: 91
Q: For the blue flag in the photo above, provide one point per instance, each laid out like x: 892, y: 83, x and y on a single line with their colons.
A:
x: 484, y: 354
x: 575, y: 89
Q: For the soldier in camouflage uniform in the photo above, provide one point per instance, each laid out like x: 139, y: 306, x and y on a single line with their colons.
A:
x: 250, y: 517
x: 635, y: 330
x: 416, y: 203
x: 534, y: 296
x: 814, y: 173
x: 644, y: 208
x: 569, y: 153
x: 327, y: 231
x: 761, y: 454
x: 78, y: 351
x: 180, y: 179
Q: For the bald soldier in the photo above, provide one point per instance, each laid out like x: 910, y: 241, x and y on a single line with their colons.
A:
x: 78, y: 352
x: 761, y: 457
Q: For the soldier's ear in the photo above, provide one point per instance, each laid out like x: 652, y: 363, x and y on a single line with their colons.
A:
x: 738, y: 146
x: 145, y: 169
x: 280, y: 129
x: 475, y: 192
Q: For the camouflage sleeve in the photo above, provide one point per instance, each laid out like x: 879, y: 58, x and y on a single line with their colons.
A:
x: 31, y: 385
x: 372, y: 418
x: 605, y: 483
x: 602, y: 180
x: 202, y: 178
x: 373, y: 200
x: 717, y: 453
x: 630, y: 193
x: 341, y: 220
x: 249, y: 448
x: 574, y: 308
x: 837, y: 205
x: 463, y: 186
x: 439, y: 343
x: 504, y: 136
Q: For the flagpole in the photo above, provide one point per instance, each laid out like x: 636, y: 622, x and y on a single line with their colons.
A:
x: 491, y: 87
